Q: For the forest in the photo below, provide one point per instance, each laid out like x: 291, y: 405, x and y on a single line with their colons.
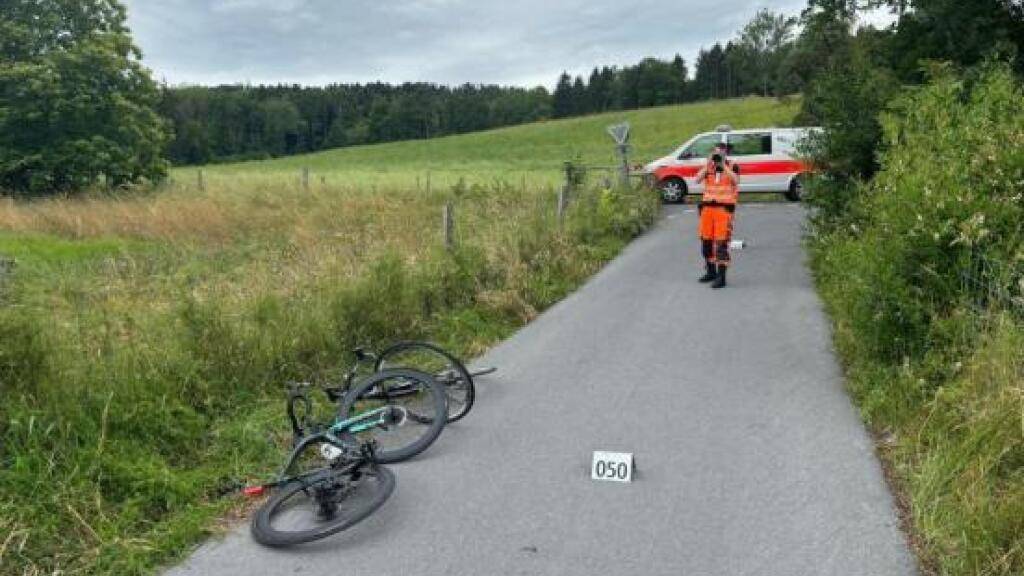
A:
x: 228, y: 123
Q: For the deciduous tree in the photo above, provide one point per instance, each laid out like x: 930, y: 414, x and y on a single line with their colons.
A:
x: 76, y: 104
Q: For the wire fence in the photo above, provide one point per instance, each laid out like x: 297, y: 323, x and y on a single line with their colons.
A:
x: 425, y: 180
x: 572, y: 174
x: 993, y: 290
x: 576, y: 178
x: 607, y: 176
x: 952, y: 281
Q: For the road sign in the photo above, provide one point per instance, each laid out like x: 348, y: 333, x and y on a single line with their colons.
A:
x: 612, y: 466
x: 619, y: 133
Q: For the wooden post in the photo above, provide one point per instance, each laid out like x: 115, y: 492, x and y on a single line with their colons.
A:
x: 449, y: 225
x: 563, y: 194
x: 6, y: 268
x: 305, y: 178
x: 201, y: 183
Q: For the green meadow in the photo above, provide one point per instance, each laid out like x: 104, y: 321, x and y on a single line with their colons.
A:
x: 146, y: 335
x: 532, y: 153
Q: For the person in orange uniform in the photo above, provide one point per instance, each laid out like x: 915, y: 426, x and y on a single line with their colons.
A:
x: 721, y: 179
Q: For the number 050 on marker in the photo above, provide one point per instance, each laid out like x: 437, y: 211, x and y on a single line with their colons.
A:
x: 612, y: 466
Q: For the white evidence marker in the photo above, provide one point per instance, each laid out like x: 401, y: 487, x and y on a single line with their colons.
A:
x: 612, y: 466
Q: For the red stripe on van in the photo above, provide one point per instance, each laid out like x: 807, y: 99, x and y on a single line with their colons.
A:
x: 678, y: 171
x: 763, y: 168
x: 771, y: 167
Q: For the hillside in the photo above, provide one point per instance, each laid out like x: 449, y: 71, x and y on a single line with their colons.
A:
x: 532, y: 151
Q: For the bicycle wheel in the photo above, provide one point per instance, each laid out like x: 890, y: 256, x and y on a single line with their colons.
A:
x: 446, y: 369
x: 417, y: 417
x: 321, y: 504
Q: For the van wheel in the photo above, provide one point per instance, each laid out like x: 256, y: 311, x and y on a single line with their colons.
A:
x: 673, y: 190
x: 796, y: 190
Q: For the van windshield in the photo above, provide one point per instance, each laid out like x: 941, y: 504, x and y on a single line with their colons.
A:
x: 701, y: 147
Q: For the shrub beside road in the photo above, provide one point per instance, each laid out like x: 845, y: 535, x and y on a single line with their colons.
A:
x: 922, y: 270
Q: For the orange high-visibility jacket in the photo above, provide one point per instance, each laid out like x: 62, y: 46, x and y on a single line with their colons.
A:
x: 718, y: 188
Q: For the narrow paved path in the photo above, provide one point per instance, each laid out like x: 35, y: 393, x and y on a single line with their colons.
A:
x: 751, y: 459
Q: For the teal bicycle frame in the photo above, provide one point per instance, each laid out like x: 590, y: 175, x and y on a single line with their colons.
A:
x: 359, y: 423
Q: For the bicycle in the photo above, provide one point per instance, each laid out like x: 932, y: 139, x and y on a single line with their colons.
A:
x: 445, y: 367
x: 332, y: 479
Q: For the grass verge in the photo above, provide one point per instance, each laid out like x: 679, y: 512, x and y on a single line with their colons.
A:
x: 142, y: 360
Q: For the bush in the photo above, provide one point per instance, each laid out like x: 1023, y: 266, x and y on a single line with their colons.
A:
x: 922, y: 269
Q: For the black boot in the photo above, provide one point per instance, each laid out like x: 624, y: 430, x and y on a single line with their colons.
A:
x: 710, y: 275
x: 720, y: 279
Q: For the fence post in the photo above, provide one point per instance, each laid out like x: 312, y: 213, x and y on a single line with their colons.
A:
x: 6, y: 268
x: 200, y: 182
x: 563, y: 200
x: 305, y: 178
x: 449, y: 225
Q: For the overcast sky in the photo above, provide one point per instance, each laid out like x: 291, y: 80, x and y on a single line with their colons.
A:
x: 519, y: 42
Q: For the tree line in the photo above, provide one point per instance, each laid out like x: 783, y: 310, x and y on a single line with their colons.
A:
x: 852, y: 74
x: 759, y: 61
x: 244, y: 122
x: 77, y: 107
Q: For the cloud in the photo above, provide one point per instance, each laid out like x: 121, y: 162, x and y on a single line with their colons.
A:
x: 528, y: 42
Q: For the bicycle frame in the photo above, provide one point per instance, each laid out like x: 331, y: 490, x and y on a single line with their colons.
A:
x: 359, y: 423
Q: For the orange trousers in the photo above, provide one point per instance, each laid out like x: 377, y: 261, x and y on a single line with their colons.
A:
x: 715, y: 234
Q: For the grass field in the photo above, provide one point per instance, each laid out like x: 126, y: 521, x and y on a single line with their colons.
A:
x: 533, y: 153
x: 144, y: 338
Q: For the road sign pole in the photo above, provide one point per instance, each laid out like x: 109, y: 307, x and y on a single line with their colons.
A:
x: 620, y: 134
x: 624, y: 167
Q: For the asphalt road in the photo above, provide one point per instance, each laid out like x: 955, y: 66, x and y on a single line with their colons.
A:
x: 750, y: 457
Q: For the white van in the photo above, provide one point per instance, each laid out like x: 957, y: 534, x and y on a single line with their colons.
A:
x: 767, y: 158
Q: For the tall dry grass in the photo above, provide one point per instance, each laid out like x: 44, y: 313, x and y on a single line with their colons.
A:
x: 144, y: 340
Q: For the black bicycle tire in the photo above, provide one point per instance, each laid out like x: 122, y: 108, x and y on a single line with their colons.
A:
x: 440, y: 407
x: 264, y: 533
x: 459, y: 366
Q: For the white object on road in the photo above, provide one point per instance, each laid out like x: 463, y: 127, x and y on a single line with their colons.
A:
x: 737, y: 244
x: 612, y: 466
